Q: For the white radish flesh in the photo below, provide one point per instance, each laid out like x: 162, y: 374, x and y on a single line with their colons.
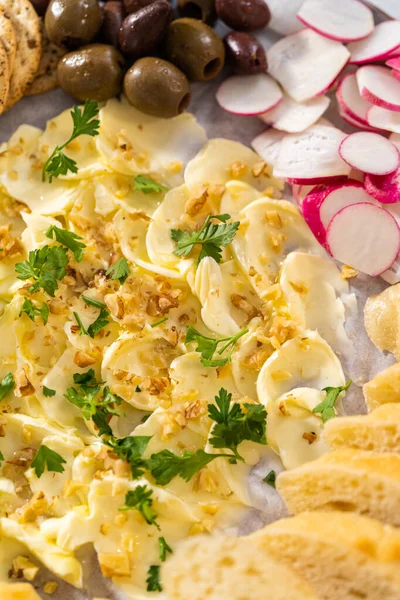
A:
x: 350, y: 99
x: 268, y: 145
x: 284, y: 16
x: 384, y: 188
x: 370, y: 153
x: 396, y: 74
x: 378, y: 86
x: 395, y: 139
x: 306, y: 64
x: 365, y: 237
x: 394, y: 63
x: 388, y: 120
x: 382, y: 42
x: 249, y: 94
x: 340, y: 20
x: 293, y: 117
x: 311, y: 156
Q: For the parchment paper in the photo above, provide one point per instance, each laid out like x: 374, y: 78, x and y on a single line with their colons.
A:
x: 364, y: 362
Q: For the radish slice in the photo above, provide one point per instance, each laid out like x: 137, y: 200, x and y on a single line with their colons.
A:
x: 306, y: 64
x: 384, y: 188
x: 365, y: 237
x: 248, y: 94
x: 311, y: 156
x: 394, y: 63
x: 387, y: 120
x: 341, y: 20
x: 370, y: 153
x: 396, y: 74
x: 377, y: 86
x: 284, y: 16
x: 300, y: 192
x: 293, y: 117
x: 395, y: 139
x: 268, y: 145
x: 358, y: 124
x: 350, y: 100
x: 382, y: 42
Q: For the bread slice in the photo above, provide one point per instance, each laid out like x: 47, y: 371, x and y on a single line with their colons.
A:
x: 344, y: 556
x: 382, y: 319
x: 350, y: 480
x: 17, y: 591
x: 226, y: 568
x: 383, y: 388
x: 379, y: 431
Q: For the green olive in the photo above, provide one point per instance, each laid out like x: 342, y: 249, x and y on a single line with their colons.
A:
x: 73, y: 23
x: 195, y: 48
x: 156, y: 87
x: 93, y: 72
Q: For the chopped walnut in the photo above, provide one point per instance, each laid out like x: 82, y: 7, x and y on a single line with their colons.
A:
x: 10, y: 246
x: 274, y: 219
x: 23, y: 458
x: 283, y: 409
x: 115, y: 564
x: 23, y: 567
x: 160, y: 305
x: 281, y: 330
x: 194, y: 409
x: 216, y: 191
x: 259, y: 168
x: 348, y: 272
x: 115, y: 305
x: 254, y: 362
x: 36, y: 507
x: 83, y: 360
x: 58, y: 307
x: 23, y: 386
x: 244, y: 305
x: 238, y: 169
x: 276, y: 240
x: 155, y: 385
x: 197, y: 201
x: 310, y: 436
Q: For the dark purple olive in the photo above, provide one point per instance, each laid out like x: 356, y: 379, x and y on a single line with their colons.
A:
x: 40, y: 6
x: 132, y: 6
x: 142, y: 31
x: 244, y: 53
x: 204, y: 10
x: 244, y: 15
x: 113, y: 16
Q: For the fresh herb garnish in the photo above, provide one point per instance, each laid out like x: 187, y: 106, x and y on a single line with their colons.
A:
x: 159, y: 322
x: 46, y: 458
x: 6, y: 385
x: 82, y: 329
x: 93, y: 302
x: 45, y: 266
x: 84, y: 123
x: 137, y: 389
x: 326, y: 408
x: 97, y: 325
x: 208, y: 346
x: 68, y: 239
x: 141, y: 499
x: 119, y: 270
x: 166, y: 465
x: 2, y: 458
x: 163, y: 549
x: 211, y: 237
x: 131, y: 449
x: 32, y: 311
x: 270, y: 478
x: 153, y: 579
x: 48, y: 392
x: 148, y: 186
x: 234, y: 426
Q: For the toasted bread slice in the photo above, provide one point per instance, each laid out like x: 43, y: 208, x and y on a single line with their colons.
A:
x: 8, y: 39
x: 226, y: 568
x: 17, y: 591
x: 344, y: 556
x: 46, y: 75
x: 351, y: 480
x: 4, y: 78
x: 379, y: 431
x: 384, y: 388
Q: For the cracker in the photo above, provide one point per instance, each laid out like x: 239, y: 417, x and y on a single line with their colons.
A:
x: 8, y: 38
x: 4, y: 78
x: 26, y: 25
x: 46, y: 76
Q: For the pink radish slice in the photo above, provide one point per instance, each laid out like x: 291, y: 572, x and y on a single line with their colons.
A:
x: 365, y: 237
x: 300, y: 192
x: 370, y: 153
x: 382, y: 42
x: 248, y: 94
x: 341, y: 20
x: 358, y: 124
x: 284, y: 16
x: 293, y: 117
x: 268, y: 144
x: 312, y: 155
x: 387, y: 120
x: 384, y: 188
x: 306, y: 64
x: 395, y: 139
x: 313, y: 181
x: 377, y: 86
x: 350, y: 100
x: 394, y: 63
x: 396, y: 74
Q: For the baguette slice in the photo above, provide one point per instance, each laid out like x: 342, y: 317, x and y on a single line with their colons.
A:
x: 383, y: 388
x: 379, y: 431
x: 225, y: 568
x: 17, y: 591
x: 351, y: 480
x: 343, y: 556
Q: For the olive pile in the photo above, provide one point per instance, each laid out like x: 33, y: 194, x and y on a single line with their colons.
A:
x: 106, y: 37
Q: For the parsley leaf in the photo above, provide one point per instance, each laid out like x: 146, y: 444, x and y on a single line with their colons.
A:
x: 48, y: 392
x: 2, y: 458
x: 163, y: 548
x: 131, y: 449
x: 45, y: 266
x: 101, y: 322
x: 208, y: 346
x: 82, y: 329
x: 148, y: 186
x: 141, y: 499
x: 6, y: 385
x: 326, y: 408
x: 270, y: 478
x: 153, y: 579
x: 67, y: 239
x: 211, y: 237
x: 49, y: 459
x: 166, y: 465
x: 32, y: 311
x: 119, y: 270
x: 84, y: 123
x: 234, y: 426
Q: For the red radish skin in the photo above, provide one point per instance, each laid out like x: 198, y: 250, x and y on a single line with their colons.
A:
x: 386, y: 120
x: 341, y: 20
x: 370, y: 152
x: 395, y: 139
x: 318, y: 180
x: 249, y: 95
x: 380, y: 45
x: 365, y: 237
x: 300, y: 192
x: 357, y: 124
x: 394, y: 63
x: 379, y: 87
x: 350, y: 100
x: 384, y: 188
